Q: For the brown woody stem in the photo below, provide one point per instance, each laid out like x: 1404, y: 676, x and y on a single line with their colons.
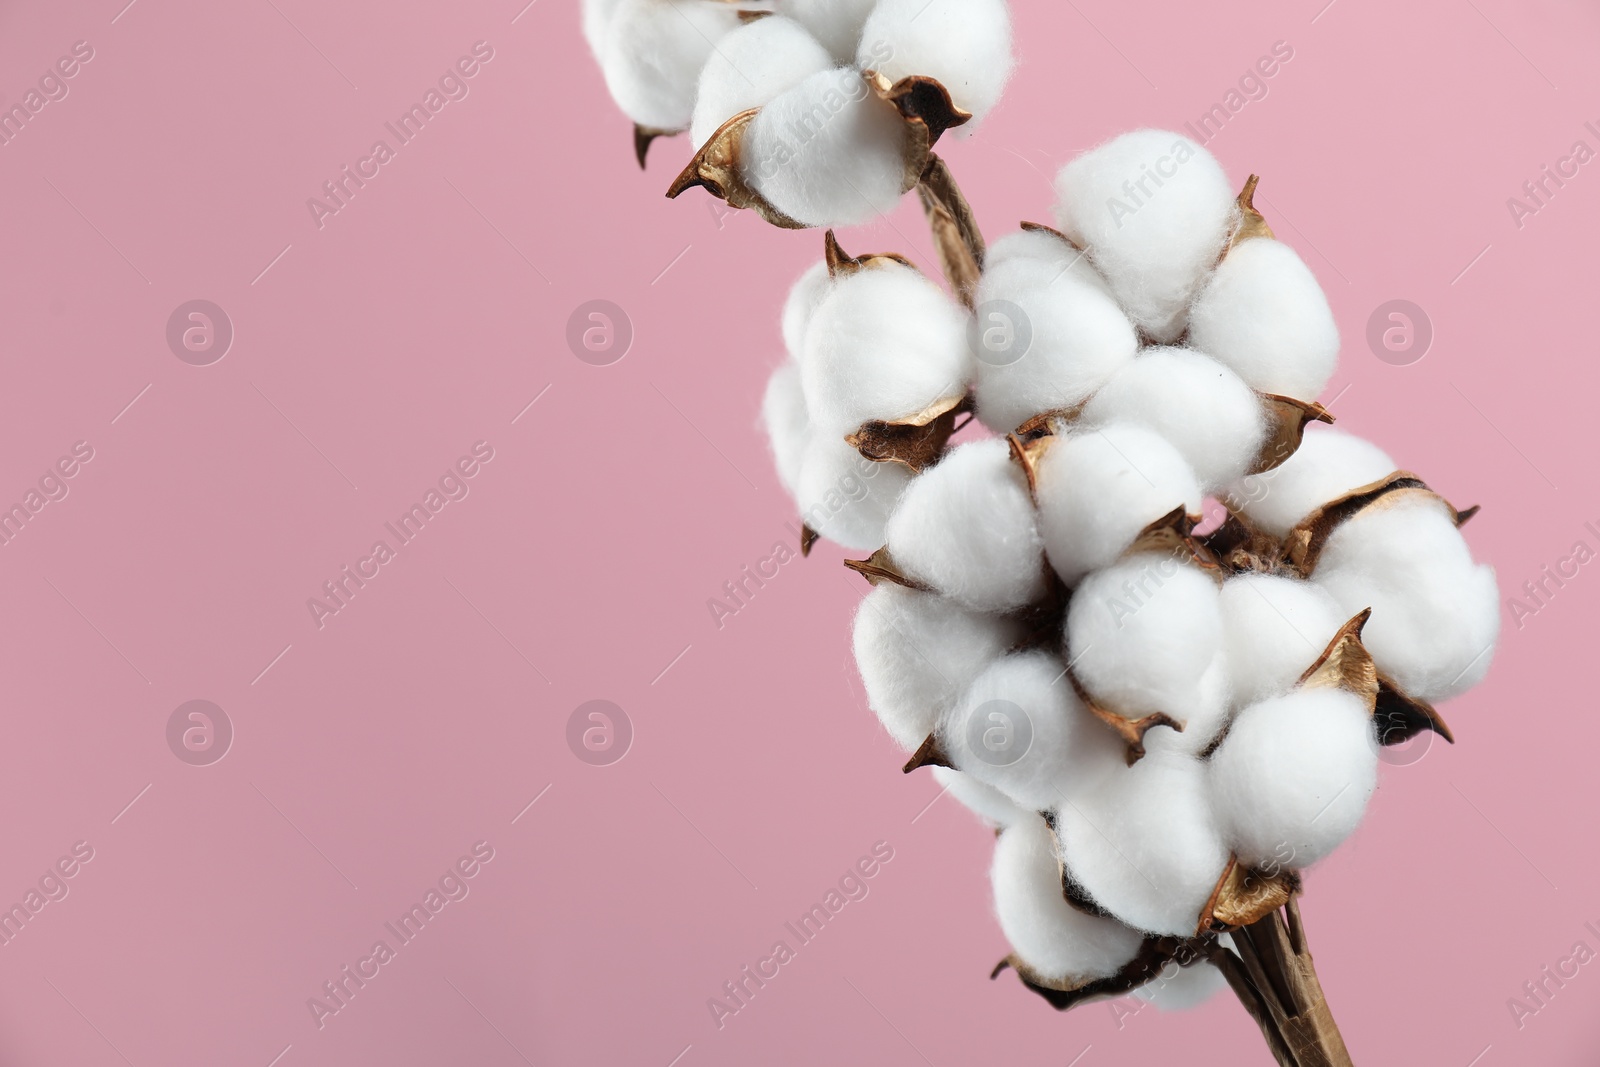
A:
x: 955, y: 228
x: 1272, y: 974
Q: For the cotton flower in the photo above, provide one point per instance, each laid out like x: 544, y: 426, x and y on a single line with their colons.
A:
x: 984, y: 801
x: 788, y: 425
x: 845, y: 497
x: 835, y: 23
x: 1153, y: 209
x: 964, y: 44
x: 966, y: 528
x: 1328, y: 465
x: 1263, y: 314
x: 1201, y: 407
x: 884, y: 344
x: 1435, y: 613
x: 751, y: 66
x: 1144, y: 844
x: 803, y: 300
x: 917, y: 652
x: 1097, y: 489
x: 1274, y: 628
x: 1051, y: 937
x: 652, y: 52
x: 1048, y: 333
x: 1292, y: 779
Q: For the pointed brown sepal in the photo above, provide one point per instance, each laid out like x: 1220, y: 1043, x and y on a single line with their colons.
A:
x: 715, y: 168
x: 1244, y: 896
x: 1039, y: 227
x: 1173, y: 534
x: 1464, y: 516
x: 1346, y: 664
x: 1305, y: 542
x: 925, y: 106
x: 751, y: 16
x: 842, y: 263
x: 1287, y: 419
x: 1131, y: 731
x: 1026, y: 455
x: 879, y: 567
x: 642, y: 136
x: 928, y: 754
x: 917, y: 442
x: 1239, y: 547
x: 808, y: 537
x: 1399, y: 717
x: 1046, y: 423
x: 1251, y: 222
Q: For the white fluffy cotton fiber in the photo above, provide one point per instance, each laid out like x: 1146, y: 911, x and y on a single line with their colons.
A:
x: 1328, y: 465
x: 884, y: 344
x: 917, y: 652
x: 652, y: 53
x: 965, y: 44
x: 835, y: 23
x: 1435, y: 613
x: 802, y: 302
x: 1053, y: 938
x: 1020, y: 727
x: 1153, y: 209
x: 1274, y: 628
x: 1097, y: 489
x: 783, y: 413
x: 749, y: 67
x: 966, y: 527
x: 844, y: 496
x: 1263, y: 314
x: 1048, y: 333
x: 984, y: 801
x: 1292, y: 779
x: 1214, y: 419
x: 827, y: 152
x: 1178, y: 988
x: 1144, y: 843
x: 1143, y: 633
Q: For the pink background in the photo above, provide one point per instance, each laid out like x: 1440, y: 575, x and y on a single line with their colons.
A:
x: 371, y: 753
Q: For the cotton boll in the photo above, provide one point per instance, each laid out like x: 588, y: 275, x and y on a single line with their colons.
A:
x: 749, y: 67
x: 1328, y: 465
x: 1204, y: 720
x: 917, y: 652
x: 844, y: 496
x: 653, y: 52
x: 1027, y: 258
x: 836, y: 23
x: 1142, y: 634
x: 1435, y: 613
x: 1263, y: 314
x: 984, y: 801
x: 1153, y: 209
x: 827, y: 152
x: 965, y: 44
x: 1054, y: 939
x: 1291, y: 780
x: 1144, y: 844
x: 596, y: 18
x: 1020, y: 728
x: 1214, y: 420
x: 1178, y: 988
x: 885, y: 343
x: 1047, y: 337
x: 804, y: 298
x: 1098, y: 489
x: 1274, y: 628
x: 966, y: 528
x: 783, y: 413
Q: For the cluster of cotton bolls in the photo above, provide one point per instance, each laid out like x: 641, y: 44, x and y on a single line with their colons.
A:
x: 800, y: 95
x: 1142, y: 710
